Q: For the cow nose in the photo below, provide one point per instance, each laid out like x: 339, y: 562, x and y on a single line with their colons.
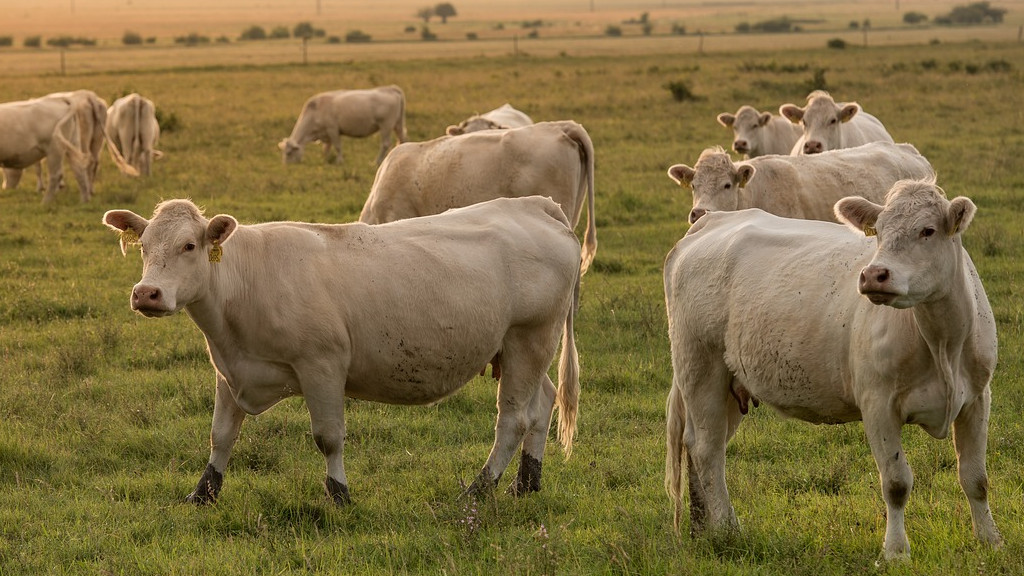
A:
x: 696, y: 213
x: 813, y: 147
x: 874, y: 277
x: 145, y: 296
x: 740, y: 146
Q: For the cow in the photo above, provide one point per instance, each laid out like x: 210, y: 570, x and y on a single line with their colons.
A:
x: 402, y: 313
x: 133, y: 129
x: 887, y: 323
x: 554, y: 159
x: 501, y: 118
x: 328, y: 116
x: 760, y: 133
x: 829, y: 126
x: 798, y: 186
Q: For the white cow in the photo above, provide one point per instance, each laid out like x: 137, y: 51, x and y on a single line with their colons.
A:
x: 328, y: 116
x: 798, y: 186
x: 829, y: 326
x: 403, y: 313
x: 829, y: 126
x: 760, y: 133
x: 554, y: 159
x: 134, y: 130
x: 501, y: 118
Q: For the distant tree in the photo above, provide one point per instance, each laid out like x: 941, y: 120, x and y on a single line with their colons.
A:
x: 854, y: 25
x: 253, y: 33
x: 427, y: 35
x: 6, y: 40
x: 914, y: 18
x: 425, y: 14
x: 304, y: 30
x: 613, y: 31
x: 33, y: 41
x: 976, y: 13
x: 357, y: 36
x: 445, y: 10
x: 280, y: 32
x: 131, y: 38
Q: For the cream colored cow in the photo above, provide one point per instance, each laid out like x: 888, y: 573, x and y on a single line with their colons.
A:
x: 134, y: 131
x: 830, y: 126
x: 501, y: 118
x: 760, y: 133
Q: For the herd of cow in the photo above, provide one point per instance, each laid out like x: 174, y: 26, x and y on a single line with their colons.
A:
x: 465, y: 257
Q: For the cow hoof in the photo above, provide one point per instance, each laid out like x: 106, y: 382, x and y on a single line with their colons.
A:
x: 484, y: 485
x: 337, y: 492
x: 208, y: 488
x: 528, y: 479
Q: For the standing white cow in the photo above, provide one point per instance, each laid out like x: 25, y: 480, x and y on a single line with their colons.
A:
x: 554, y: 159
x: 501, y: 118
x: 798, y: 186
x: 829, y: 126
x: 403, y: 313
x: 328, y: 116
x: 830, y: 326
x: 134, y: 130
x: 760, y: 133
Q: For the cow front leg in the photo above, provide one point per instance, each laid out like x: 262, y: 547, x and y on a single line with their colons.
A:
x: 53, y: 168
x: 528, y: 478
x: 970, y: 435
x: 227, y: 422
x: 327, y: 420
x: 385, y: 145
x: 11, y: 178
x: 883, y: 432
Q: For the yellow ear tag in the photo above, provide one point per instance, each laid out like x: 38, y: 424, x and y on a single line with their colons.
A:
x: 129, y: 236
x: 870, y: 231
x: 955, y: 230
x: 216, y: 252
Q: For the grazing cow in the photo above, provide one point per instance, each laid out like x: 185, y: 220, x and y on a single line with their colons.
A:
x: 760, y: 133
x: 798, y: 186
x: 830, y: 126
x: 887, y: 323
x: 501, y: 118
x: 134, y: 131
x: 403, y: 313
x: 554, y: 159
x: 328, y: 116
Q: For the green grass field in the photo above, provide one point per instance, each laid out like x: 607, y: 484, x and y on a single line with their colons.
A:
x: 105, y: 415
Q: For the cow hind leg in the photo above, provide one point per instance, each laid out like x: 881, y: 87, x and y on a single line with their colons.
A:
x: 227, y: 421
x: 528, y: 478
x: 970, y: 434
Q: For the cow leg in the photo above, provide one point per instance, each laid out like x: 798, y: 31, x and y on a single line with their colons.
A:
x: 528, y: 478
x: 327, y: 419
x: 227, y: 421
x: 53, y: 168
x: 335, y: 142
x: 883, y: 432
x: 970, y: 434
x: 385, y: 144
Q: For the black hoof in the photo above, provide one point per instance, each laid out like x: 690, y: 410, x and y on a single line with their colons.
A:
x: 337, y: 491
x: 208, y: 488
x: 528, y: 479
x: 482, y: 486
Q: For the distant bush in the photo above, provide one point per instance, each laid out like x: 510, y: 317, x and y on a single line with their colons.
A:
x: 131, y: 38
x: 252, y: 33
x: 152, y: 39
x: 167, y: 121
x: 280, y: 32
x: 837, y: 43
x: 853, y: 25
x: 32, y: 41
x: 307, y: 30
x: 647, y: 28
x: 914, y: 18
x: 532, y: 23
x: 783, y: 24
x: 678, y: 30
x: 471, y: 36
x: 6, y: 40
x: 533, y: 33
x: 426, y: 34
x: 410, y: 29
x: 817, y: 81
x: 357, y: 36
x: 65, y: 41
x: 334, y: 39
x: 976, y: 13
x: 613, y: 31
x: 192, y: 39
x: 222, y: 39
x: 680, y: 91
x: 743, y: 28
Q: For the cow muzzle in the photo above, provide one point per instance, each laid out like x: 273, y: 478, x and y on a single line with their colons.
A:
x: 696, y: 214
x: 149, y: 301
x: 875, y: 283
x: 813, y: 147
x: 740, y: 146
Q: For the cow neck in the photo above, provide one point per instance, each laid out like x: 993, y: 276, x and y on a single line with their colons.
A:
x: 945, y: 324
x: 225, y: 283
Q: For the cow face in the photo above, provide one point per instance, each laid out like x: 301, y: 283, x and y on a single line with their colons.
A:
x: 746, y: 126
x: 178, y: 248
x: 291, y: 152
x: 715, y: 182
x: 822, y: 120
x: 919, y: 246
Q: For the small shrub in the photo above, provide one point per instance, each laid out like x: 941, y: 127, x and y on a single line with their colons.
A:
x: 410, y: 29
x: 33, y: 41
x: 280, y: 33
x: 533, y: 23
x: 613, y: 31
x: 167, y: 121
x: 913, y: 18
x: 222, y: 39
x: 427, y: 35
x: 817, y: 81
x: 837, y: 43
x: 357, y: 36
x: 252, y: 33
x: 854, y: 25
x: 6, y: 40
x: 192, y: 39
x: 533, y: 34
x: 307, y: 30
x: 647, y: 28
x: 65, y: 41
x: 131, y: 38
x: 743, y: 28
x: 334, y: 39
x: 680, y: 91
x: 678, y: 30
x: 499, y: 26
x: 930, y: 64
x: 152, y: 40
x: 998, y: 66
x: 471, y: 36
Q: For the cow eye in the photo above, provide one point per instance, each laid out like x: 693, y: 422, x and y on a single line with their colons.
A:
x: 728, y: 185
x: 190, y: 247
x: 832, y: 121
x: 927, y: 232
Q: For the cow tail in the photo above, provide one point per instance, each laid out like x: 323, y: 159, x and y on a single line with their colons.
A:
x: 586, y: 146
x: 71, y: 149
x: 675, y: 416
x: 122, y: 165
x: 403, y: 136
x: 133, y: 159
x: 568, y: 395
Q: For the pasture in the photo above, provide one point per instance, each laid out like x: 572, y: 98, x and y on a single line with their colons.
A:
x: 105, y: 415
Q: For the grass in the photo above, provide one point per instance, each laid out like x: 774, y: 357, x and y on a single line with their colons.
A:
x: 105, y: 415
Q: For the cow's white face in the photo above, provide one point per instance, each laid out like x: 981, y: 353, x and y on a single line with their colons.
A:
x: 176, y: 254
x: 747, y: 130
x: 291, y: 152
x: 822, y: 121
x: 919, y: 247
x: 716, y: 182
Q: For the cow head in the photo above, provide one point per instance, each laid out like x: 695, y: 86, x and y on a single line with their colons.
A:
x: 291, y: 152
x: 715, y: 181
x: 178, y: 246
x: 919, y: 245
x: 746, y: 126
x: 474, y: 124
x: 822, y: 120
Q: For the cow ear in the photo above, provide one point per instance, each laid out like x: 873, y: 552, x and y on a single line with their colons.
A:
x: 220, y: 228
x: 764, y: 118
x: 726, y: 120
x: 744, y: 172
x: 128, y: 223
x: 858, y: 213
x: 281, y: 144
x: 846, y: 113
x: 961, y: 213
x: 682, y: 174
x: 792, y: 112
x: 453, y: 130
